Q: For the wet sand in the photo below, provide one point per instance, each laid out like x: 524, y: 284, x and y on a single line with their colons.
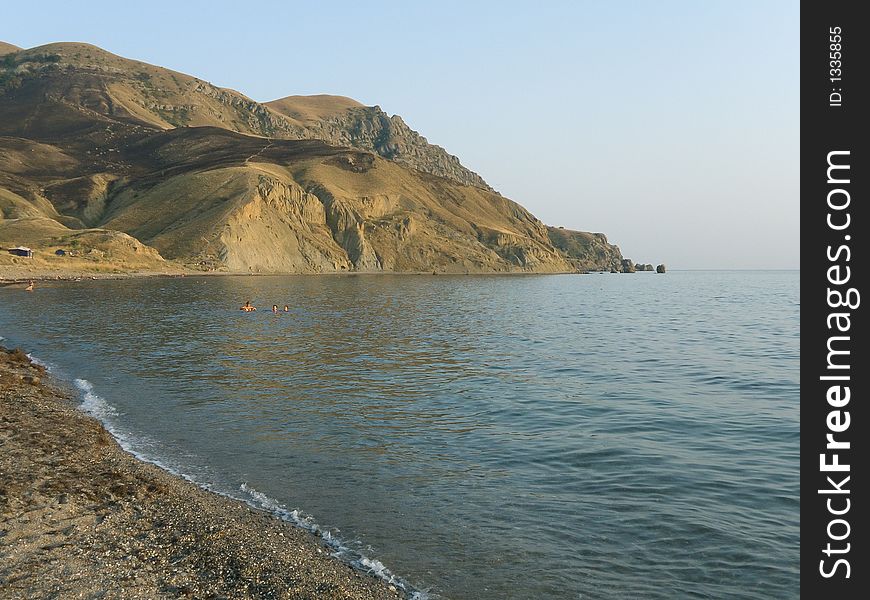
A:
x: 81, y: 518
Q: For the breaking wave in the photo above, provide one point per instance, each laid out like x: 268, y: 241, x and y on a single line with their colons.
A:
x: 261, y: 501
x: 98, y: 407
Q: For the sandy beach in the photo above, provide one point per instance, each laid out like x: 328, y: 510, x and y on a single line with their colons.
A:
x: 81, y: 518
x: 36, y: 270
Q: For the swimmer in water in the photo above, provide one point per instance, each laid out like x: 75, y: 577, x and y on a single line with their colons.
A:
x: 275, y: 308
x: 247, y: 307
x: 286, y: 308
x: 29, y: 288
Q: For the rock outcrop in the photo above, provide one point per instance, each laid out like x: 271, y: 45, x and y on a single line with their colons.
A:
x: 370, y: 128
x: 660, y: 269
x: 586, y: 251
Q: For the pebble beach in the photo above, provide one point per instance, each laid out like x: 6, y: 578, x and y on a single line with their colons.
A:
x: 81, y: 518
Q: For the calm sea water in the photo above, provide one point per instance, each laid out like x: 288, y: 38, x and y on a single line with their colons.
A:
x: 598, y: 436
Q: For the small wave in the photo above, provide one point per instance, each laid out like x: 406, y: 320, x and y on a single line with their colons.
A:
x: 261, y: 501
x: 94, y: 405
x: 97, y: 407
x: 36, y: 361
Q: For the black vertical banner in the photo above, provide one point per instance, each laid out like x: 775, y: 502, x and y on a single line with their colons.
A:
x: 834, y: 225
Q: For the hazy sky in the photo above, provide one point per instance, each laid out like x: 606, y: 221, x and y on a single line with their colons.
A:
x: 673, y: 127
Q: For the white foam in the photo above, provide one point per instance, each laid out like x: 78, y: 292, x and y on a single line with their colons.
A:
x: 97, y: 406
x: 341, y: 550
x: 36, y: 361
x: 94, y: 405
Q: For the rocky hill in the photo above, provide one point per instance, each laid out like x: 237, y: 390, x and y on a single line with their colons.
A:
x: 136, y: 91
x: 102, y: 153
x: 344, y: 122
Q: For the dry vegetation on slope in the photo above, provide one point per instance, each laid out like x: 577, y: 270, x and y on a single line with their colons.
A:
x: 7, y: 48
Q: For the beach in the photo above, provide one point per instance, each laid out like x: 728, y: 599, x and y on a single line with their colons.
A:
x: 80, y: 517
x: 24, y: 270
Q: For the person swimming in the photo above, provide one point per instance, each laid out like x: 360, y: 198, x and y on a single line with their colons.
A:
x: 29, y: 288
x: 247, y: 307
x: 275, y: 308
x: 286, y: 308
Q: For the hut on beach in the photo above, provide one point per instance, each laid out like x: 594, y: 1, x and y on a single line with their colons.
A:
x: 21, y: 251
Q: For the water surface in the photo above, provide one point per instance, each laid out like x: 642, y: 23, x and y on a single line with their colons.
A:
x: 597, y: 436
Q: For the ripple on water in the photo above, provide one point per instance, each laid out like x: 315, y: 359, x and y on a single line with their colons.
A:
x: 529, y: 437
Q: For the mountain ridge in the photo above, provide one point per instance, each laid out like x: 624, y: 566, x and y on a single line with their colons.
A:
x: 214, y: 180
x: 165, y: 98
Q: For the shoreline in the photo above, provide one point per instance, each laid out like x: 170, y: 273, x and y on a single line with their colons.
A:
x: 80, y: 516
x: 22, y: 273
x: 75, y: 276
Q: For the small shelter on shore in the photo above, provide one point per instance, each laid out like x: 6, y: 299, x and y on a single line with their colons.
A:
x: 21, y: 251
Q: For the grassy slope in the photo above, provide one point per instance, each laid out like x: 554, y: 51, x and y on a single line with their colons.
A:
x: 311, y: 109
x: 6, y: 48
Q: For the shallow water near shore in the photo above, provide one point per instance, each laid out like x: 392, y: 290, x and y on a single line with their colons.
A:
x: 597, y: 436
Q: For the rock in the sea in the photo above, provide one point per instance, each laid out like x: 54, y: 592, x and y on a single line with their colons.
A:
x: 628, y: 265
x: 660, y: 269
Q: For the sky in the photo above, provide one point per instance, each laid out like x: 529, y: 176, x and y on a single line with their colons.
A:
x: 671, y: 126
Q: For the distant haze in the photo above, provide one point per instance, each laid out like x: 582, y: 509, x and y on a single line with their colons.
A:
x: 673, y: 127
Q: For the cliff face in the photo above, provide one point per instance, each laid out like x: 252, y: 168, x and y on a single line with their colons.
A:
x: 210, y: 178
x: 305, y: 207
x: 370, y: 128
x: 586, y: 251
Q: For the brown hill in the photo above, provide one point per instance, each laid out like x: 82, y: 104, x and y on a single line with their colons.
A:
x: 77, y: 82
x: 7, y: 48
x: 86, y: 78
x: 92, y: 143
x: 309, y: 110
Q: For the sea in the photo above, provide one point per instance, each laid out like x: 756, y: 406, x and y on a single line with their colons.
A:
x: 471, y: 437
